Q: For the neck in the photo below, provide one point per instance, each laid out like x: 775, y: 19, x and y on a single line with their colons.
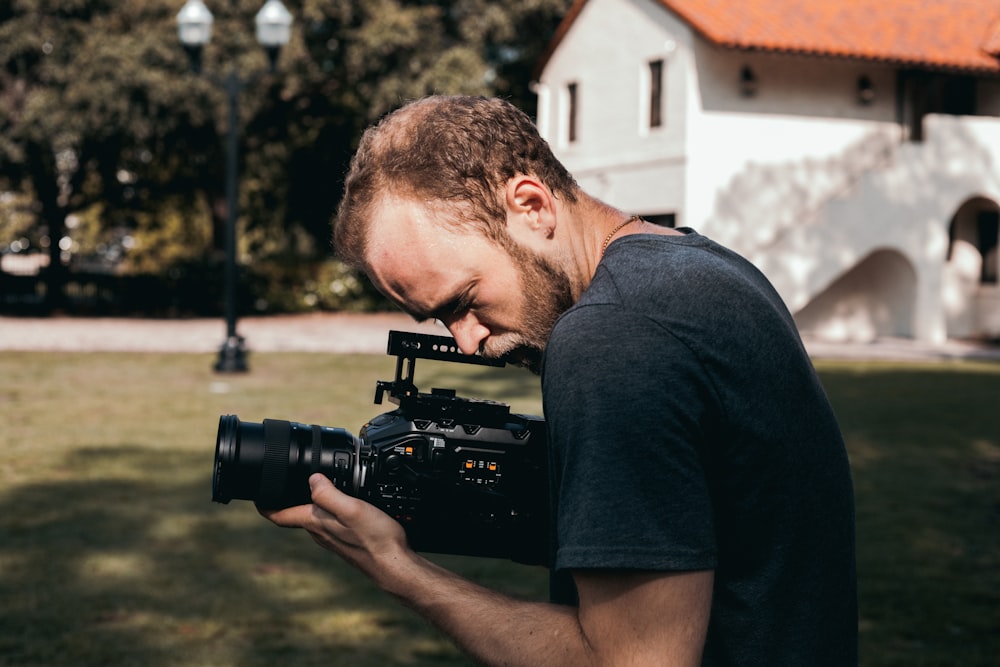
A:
x: 587, y: 223
x: 614, y: 232
x: 606, y: 225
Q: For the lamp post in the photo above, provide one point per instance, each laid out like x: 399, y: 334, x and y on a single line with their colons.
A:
x: 194, y: 27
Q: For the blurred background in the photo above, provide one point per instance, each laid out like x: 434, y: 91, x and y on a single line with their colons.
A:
x: 171, y: 158
x: 167, y: 164
x: 113, y: 148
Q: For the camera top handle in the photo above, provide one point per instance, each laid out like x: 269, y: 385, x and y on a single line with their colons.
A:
x: 407, y: 347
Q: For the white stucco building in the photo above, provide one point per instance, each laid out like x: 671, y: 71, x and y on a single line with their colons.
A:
x: 849, y: 148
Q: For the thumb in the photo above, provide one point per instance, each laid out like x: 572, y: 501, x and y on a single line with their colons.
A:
x: 318, y: 481
x: 322, y: 490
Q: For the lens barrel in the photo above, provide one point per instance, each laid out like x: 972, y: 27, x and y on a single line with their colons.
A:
x: 270, y: 462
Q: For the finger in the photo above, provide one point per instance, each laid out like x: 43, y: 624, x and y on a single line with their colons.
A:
x: 358, y: 518
x: 300, y: 515
x: 328, y: 496
x: 319, y: 481
x: 289, y: 517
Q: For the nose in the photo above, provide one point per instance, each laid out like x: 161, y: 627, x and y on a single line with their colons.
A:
x: 468, y: 332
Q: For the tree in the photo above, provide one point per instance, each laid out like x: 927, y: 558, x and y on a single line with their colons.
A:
x: 352, y: 62
x: 88, y: 101
x: 101, y: 117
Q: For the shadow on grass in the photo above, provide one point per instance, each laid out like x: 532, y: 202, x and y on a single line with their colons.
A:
x: 924, y: 443
x: 114, y: 555
x: 119, y: 558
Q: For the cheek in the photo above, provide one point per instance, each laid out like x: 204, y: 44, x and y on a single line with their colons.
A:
x: 501, y: 310
x: 503, y: 294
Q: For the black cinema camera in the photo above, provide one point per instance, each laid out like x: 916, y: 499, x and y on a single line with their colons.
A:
x: 463, y: 476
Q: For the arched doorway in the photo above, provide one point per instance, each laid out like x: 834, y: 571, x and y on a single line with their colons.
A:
x: 971, y: 293
x: 876, y: 298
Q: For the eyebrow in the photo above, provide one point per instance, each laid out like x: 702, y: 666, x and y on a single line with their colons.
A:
x: 456, y: 304
x: 416, y: 312
x: 418, y: 315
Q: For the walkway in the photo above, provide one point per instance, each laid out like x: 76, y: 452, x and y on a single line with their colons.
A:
x: 346, y: 333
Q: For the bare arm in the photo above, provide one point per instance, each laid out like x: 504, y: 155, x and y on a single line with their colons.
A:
x: 624, y: 618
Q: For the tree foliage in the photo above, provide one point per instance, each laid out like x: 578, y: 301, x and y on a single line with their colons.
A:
x: 102, y: 119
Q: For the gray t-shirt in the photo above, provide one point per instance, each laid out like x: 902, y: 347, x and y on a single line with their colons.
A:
x: 688, y: 431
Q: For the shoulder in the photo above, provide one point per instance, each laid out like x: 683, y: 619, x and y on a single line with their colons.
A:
x: 609, y: 344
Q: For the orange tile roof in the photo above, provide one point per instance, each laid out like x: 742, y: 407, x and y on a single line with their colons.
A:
x: 944, y: 34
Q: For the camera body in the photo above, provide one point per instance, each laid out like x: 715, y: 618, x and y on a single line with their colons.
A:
x: 462, y: 476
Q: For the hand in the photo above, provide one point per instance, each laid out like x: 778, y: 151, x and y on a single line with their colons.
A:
x: 359, y: 532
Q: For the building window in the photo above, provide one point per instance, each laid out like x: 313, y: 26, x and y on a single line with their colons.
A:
x: 988, y: 223
x: 656, y: 93
x: 748, y: 82
x: 866, y: 91
x: 571, y: 101
x: 977, y: 234
x: 922, y: 93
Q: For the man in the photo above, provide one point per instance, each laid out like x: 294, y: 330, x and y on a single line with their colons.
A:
x: 702, y: 502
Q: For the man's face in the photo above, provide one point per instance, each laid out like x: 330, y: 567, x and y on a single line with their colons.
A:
x: 495, y: 301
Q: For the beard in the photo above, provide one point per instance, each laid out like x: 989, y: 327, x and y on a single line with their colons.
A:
x: 547, y: 294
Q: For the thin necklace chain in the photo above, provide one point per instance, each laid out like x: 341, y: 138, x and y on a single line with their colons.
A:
x: 614, y: 231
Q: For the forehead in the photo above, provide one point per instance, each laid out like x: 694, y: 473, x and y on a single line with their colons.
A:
x: 416, y: 259
x: 404, y: 231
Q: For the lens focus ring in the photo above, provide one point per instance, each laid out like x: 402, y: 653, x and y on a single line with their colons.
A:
x: 273, y: 474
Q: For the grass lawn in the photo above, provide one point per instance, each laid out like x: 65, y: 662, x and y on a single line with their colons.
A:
x: 112, y: 554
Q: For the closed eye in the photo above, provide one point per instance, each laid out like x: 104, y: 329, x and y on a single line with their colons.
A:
x: 455, y: 307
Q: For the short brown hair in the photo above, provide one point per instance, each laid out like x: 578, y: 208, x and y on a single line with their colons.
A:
x: 452, y: 150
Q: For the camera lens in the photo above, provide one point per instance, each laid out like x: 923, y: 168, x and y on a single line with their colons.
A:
x: 270, y: 463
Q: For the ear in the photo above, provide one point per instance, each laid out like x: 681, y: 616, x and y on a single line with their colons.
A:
x: 531, y: 210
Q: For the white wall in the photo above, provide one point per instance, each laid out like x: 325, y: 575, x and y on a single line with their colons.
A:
x: 875, y: 298
x: 617, y: 157
x: 906, y: 206
x: 758, y: 165
x: 801, y: 178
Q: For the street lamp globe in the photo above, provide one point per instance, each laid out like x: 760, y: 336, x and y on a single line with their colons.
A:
x: 274, y: 29
x: 194, y: 24
x: 274, y: 24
